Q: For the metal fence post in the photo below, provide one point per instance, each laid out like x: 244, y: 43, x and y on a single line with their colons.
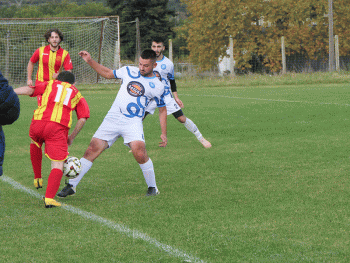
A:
x: 336, y: 46
x: 232, y: 61
x: 283, y: 49
x: 330, y: 35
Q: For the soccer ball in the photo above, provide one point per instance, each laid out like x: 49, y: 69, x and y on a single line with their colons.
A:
x: 71, y: 167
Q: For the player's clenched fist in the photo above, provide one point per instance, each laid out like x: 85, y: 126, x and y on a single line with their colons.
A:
x: 85, y: 55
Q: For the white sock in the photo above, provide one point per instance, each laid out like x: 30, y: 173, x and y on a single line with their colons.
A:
x: 148, y: 173
x: 192, y: 128
x: 85, y: 167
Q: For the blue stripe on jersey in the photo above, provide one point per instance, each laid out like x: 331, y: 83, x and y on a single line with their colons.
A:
x: 161, y: 59
x: 171, y: 76
x: 160, y: 102
x: 134, y: 77
x: 115, y: 74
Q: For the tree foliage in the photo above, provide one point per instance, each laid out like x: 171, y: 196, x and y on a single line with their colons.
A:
x: 257, y: 26
x: 60, y: 9
x: 154, y: 17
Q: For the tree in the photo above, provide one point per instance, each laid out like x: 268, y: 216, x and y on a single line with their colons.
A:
x: 59, y: 9
x: 256, y: 27
x: 154, y: 18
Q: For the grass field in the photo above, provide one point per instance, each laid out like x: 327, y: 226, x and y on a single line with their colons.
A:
x: 273, y: 188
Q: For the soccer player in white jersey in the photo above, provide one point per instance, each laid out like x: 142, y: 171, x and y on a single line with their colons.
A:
x: 165, y: 71
x: 124, y: 119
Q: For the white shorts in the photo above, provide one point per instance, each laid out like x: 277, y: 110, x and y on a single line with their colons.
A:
x: 111, y: 129
x: 171, y: 106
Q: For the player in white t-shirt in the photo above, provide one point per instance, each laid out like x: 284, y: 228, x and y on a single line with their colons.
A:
x: 140, y: 86
x: 165, y: 72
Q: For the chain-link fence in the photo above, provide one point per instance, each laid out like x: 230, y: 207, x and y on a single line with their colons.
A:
x: 288, y: 61
x: 19, y: 38
x: 298, y: 63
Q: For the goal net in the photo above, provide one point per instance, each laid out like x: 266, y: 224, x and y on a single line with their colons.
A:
x: 19, y: 38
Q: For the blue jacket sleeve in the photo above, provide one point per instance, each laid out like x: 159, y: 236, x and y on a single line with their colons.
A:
x: 9, y: 103
x: 9, y: 112
x: 2, y: 148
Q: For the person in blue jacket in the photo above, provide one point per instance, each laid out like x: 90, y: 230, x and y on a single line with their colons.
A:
x: 9, y: 112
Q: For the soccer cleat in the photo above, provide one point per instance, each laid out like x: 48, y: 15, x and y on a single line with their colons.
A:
x: 205, y: 143
x: 67, y: 190
x: 152, y: 191
x: 50, y: 203
x: 38, y: 183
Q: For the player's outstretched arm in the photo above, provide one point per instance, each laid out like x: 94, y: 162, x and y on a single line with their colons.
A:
x: 25, y: 90
x: 163, y: 126
x: 102, y: 70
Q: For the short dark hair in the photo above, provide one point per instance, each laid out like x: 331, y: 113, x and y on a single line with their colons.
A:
x: 49, y: 32
x: 149, y: 54
x: 66, y: 76
x: 158, y: 40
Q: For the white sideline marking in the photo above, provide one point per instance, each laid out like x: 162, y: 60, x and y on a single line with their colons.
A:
x: 243, y: 98
x: 110, y: 224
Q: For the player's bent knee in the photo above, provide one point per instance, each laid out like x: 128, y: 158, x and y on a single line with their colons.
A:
x: 182, y: 119
x: 179, y: 115
x: 139, y: 151
x: 95, y: 148
x: 57, y: 165
x: 141, y: 157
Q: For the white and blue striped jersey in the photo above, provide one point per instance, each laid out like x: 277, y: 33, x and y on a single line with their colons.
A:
x: 135, y: 93
x: 165, y: 69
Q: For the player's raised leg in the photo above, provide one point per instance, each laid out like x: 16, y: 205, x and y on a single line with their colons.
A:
x: 189, y: 124
x: 95, y: 148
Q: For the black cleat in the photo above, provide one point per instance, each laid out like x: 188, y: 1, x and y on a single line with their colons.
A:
x: 152, y: 191
x: 67, y: 190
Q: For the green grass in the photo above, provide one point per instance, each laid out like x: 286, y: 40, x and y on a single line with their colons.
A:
x: 273, y: 188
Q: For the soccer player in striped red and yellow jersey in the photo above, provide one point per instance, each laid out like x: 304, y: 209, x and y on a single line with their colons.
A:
x: 58, y: 100
x: 51, y: 59
x: 50, y: 125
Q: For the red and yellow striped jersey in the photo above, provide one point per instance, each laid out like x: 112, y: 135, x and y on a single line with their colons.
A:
x: 59, y: 99
x: 50, y: 62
